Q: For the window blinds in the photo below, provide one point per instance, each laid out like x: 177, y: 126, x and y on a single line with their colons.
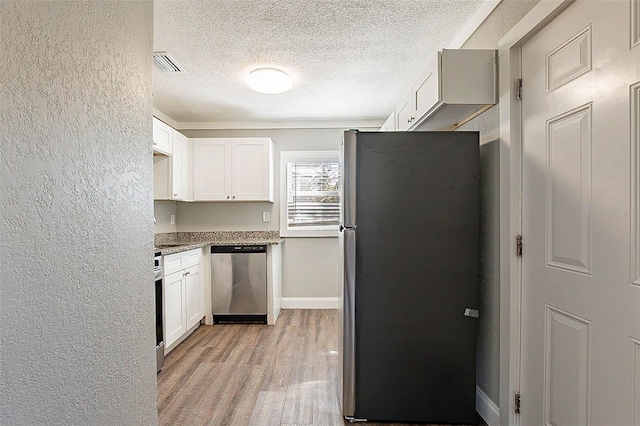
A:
x: 313, y: 194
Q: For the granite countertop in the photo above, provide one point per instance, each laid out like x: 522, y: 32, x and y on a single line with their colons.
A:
x: 176, y: 242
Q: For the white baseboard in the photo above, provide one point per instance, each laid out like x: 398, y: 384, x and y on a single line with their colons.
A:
x: 487, y: 409
x: 310, y: 303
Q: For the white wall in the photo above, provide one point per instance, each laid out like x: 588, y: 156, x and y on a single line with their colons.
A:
x: 77, y: 341
x: 310, y: 265
x: 162, y: 211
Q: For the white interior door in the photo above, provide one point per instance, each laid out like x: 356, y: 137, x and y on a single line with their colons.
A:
x: 580, y: 352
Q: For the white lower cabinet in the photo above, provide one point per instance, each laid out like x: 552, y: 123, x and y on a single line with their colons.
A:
x: 175, y: 319
x: 193, y: 296
x: 183, y: 295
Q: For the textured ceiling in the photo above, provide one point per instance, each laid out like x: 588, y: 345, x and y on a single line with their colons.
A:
x: 348, y: 59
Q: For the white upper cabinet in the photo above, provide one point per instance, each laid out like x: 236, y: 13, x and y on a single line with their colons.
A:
x: 211, y: 169
x: 390, y: 124
x: 180, y: 167
x: 172, y: 171
x: 427, y: 92
x: 162, y: 137
x: 233, y: 169
x: 252, y: 169
x: 161, y: 177
x: 457, y: 85
x: 406, y: 114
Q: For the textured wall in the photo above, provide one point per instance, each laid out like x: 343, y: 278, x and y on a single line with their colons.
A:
x: 77, y: 342
x: 501, y: 20
x: 310, y: 265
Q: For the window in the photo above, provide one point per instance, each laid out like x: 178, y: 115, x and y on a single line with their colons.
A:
x: 309, y: 193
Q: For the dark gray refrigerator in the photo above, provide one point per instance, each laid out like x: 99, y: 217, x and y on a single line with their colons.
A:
x: 409, y: 238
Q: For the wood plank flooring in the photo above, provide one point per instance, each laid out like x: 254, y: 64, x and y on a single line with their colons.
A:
x: 248, y: 374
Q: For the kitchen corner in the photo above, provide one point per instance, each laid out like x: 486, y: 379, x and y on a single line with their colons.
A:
x: 189, y: 286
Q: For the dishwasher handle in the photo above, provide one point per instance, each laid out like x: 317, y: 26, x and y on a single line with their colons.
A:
x: 238, y: 249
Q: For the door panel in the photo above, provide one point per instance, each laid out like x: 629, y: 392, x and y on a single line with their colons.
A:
x: 579, y: 307
x: 634, y: 379
x: 566, y: 390
x: 570, y: 60
x: 568, y: 171
x: 635, y: 183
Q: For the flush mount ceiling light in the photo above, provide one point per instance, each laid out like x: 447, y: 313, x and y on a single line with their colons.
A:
x: 269, y: 81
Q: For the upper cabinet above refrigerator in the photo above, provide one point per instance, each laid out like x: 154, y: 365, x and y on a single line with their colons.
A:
x: 457, y: 85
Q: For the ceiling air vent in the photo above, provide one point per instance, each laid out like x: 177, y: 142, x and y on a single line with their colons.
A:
x: 166, y: 63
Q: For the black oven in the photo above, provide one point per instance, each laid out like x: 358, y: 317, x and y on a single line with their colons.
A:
x: 159, y: 330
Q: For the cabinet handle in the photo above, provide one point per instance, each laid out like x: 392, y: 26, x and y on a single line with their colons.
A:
x: 234, y: 197
x: 413, y: 118
x: 408, y: 120
x: 155, y: 143
x: 187, y: 273
x: 175, y: 195
x: 227, y: 197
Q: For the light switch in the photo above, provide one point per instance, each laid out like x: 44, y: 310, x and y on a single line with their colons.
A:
x: 266, y: 216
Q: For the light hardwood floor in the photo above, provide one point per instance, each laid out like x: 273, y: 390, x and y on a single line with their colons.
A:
x: 239, y: 375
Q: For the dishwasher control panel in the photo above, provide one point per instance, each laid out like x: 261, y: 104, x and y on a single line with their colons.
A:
x: 238, y: 249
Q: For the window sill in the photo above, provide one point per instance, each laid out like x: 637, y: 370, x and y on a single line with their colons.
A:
x: 309, y: 234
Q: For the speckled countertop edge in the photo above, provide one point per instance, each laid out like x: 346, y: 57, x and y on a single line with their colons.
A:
x: 194, y: 240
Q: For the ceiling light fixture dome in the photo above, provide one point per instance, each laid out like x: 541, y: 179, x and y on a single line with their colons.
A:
x: 270, y: 81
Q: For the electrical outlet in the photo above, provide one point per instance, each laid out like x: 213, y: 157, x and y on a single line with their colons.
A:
x: 173, y: 219
x: 266, y: 216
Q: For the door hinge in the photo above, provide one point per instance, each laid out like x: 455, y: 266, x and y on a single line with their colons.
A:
x: 519, y: 89
x: 516, y: 402
x: 519, y: 246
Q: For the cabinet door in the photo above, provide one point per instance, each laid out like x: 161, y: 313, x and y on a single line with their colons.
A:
x: 194, y: 296
x: 211, y: 169
x: 252, y: 170
x: 162, y: 137
x: 161, y: 177
x: 406, y: 115
x: 427, y: 92
x: 179, y: 166
x: 390, y: 124
x: 174, y: 308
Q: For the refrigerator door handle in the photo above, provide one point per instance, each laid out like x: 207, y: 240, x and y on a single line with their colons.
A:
x: 348, y: 332
x: 349, y: 178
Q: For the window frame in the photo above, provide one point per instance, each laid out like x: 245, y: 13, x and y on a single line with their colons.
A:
x: 286, y: 157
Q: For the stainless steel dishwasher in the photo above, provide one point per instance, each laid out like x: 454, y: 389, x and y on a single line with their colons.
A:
x: 239, y: 284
